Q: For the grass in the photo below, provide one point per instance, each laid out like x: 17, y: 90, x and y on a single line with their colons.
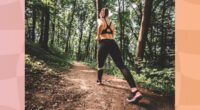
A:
x: 52, y: 57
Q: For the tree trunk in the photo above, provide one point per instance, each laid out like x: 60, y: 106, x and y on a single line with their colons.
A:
x: 79, y: 46
x: 70, y: 25
x: 162, y: 44
x: 34, y: 23
x: 53, y: 25
x: 58, y: 32
x: 98, y: 8
x: 123, y: 34
x: 46, y: 31
x: 120, y: 24
x: 42, y: 26
x: 82, y: 21
x: 27, y: 35
x: 99, y: 5
x: 53, y: 33
x: 143, y: 32
x: 88, y: 40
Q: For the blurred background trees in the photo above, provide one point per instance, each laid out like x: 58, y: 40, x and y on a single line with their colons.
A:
x: 145, y: 33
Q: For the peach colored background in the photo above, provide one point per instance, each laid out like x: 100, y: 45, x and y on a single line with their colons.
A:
x: 12, y: 54
x: 187, y: 55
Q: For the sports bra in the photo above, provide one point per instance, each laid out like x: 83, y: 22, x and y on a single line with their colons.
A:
x: 107, y: 30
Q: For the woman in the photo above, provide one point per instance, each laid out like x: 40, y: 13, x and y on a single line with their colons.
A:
x: 107, y: 45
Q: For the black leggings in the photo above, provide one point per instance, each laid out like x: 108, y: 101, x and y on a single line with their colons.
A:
x: 109, y: 46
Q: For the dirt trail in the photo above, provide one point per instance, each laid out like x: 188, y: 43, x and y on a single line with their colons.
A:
x: 85, y: 94
x: 76, y: 89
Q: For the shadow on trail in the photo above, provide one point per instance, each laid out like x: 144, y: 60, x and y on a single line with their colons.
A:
x: 115, y: 87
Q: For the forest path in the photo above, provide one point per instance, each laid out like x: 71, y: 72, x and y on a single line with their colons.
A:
x: 76, y: 89
x: 80, y: 82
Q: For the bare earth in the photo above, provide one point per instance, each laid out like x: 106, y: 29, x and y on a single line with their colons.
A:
x: 76, y: 89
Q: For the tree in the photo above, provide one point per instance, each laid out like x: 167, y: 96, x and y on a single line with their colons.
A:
x: 66, y: 29
x: 70, y: 27
x: 46, y: 29
x: 143, y: 31
x: 42, y: 25
x: 34, y: 23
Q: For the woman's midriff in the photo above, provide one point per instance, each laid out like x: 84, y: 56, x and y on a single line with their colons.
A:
x: 106, y: 36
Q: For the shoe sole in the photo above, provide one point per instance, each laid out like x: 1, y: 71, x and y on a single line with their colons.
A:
x: 136, y: 100
x: 99, y: 83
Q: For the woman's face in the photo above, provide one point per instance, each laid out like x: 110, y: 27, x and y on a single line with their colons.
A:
x: 102, y: 13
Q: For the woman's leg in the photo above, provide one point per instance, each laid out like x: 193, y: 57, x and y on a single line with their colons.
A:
x: 116, y: 56
x: 102, y: 54
x: 128, y: 76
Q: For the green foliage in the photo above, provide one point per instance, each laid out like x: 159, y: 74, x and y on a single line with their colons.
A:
x: 52, y: 57
x: 91, y: 64
x: 159, y: 80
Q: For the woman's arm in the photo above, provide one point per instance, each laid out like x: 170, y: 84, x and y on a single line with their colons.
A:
x: 113, y: 29
x: 99, y: 25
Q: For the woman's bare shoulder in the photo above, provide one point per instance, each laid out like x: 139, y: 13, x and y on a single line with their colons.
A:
x: 99, y: 20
